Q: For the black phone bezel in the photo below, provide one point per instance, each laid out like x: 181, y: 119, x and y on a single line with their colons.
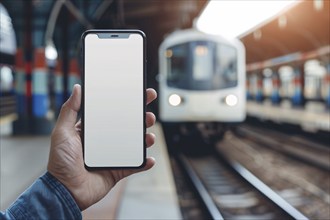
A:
x: 113, y: 31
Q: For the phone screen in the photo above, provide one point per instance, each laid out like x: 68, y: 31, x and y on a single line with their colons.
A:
x: 114, y: 98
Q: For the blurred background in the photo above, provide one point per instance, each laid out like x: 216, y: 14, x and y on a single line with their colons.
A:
x: 239, y: 82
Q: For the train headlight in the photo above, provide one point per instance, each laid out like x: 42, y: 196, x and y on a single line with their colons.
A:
x: 231, y: 100
x: 175, y: 100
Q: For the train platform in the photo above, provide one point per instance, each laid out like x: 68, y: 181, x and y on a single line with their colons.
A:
x: 313, y: 119
x: 147, y: 195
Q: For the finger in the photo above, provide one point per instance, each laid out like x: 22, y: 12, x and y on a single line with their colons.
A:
x: 149, y: 164
x: 151, y: 95
x: 69, y: 110
x: 150, y: 139
x: 150, y: 119
x: 78, y: 125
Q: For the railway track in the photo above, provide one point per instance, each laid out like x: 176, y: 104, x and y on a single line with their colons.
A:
x: 304, y: 185
x: 229, y: 191
x: 296, y: 147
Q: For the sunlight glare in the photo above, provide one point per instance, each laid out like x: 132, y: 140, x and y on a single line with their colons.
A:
x: 234, y: 18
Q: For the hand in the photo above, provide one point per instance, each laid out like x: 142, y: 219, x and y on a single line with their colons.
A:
x: 66, y: 155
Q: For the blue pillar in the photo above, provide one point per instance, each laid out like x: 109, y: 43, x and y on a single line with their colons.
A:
x: 297, y: 98
x: 327, y: 82
x: 275, y: 96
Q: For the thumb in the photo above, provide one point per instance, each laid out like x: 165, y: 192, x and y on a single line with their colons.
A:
x: 69, y: 110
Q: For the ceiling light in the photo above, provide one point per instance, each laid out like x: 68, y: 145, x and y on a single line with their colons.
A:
x: 235, y: 18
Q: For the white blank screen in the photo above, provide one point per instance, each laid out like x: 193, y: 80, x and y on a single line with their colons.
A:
x: 113, y: 122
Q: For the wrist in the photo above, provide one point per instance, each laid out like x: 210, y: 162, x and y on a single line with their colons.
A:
x: 74, y: 190
x: 63, y: 193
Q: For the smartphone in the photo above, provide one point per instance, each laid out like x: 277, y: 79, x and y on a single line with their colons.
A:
x: 113, y: 98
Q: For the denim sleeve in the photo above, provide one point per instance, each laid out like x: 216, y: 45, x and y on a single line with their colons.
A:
x: 47, y: 198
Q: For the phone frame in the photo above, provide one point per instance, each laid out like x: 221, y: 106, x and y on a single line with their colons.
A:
x: 113, y: 31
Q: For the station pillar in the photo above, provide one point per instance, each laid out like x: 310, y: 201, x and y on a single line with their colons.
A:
x: 74, y: 75
x: 58, y: 87
x: 32, y: 86
x: 327, y: 86
x: 20, y: 86
x: 42, y: 121
x: 259, y: 93
x: 297, y: 97
x: 32, y: 95
x: 275, y: 96
x: 21, y: 125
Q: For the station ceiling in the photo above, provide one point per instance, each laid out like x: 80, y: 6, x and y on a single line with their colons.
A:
x: 307, y: 28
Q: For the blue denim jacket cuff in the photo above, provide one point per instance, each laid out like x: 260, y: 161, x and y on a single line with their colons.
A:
x: 62, y: 192
x: 46, y: 198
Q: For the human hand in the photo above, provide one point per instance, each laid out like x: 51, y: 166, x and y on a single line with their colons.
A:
x: 66, y: 155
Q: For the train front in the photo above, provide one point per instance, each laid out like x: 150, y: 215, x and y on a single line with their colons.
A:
x: 202, y: 78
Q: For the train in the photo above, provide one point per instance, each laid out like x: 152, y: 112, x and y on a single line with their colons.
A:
x: 201, y: 86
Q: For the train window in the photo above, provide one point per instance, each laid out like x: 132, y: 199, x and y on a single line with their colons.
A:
x: 177, y: 61
x: 226, y: 66
x: 201, y: 65
x: 203, y: 62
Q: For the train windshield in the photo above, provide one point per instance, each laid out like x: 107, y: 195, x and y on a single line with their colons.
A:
x: 201, y: 65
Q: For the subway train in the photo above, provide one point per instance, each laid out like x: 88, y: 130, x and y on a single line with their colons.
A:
x: 201, y: 86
